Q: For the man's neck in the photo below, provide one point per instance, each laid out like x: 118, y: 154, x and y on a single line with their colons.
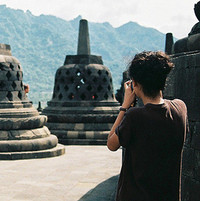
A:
x: 157, y: 100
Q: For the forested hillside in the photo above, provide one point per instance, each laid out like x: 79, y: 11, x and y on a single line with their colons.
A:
x: 42, y: 42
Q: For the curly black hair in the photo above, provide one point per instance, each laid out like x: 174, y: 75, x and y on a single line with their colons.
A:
x: 150, y: 69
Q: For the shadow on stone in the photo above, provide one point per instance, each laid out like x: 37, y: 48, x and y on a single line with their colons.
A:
x: 105, y: 191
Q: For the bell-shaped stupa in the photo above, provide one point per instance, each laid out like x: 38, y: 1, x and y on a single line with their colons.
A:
x: 183, y: 82
x: 22, y: 131
x: 83, y: 107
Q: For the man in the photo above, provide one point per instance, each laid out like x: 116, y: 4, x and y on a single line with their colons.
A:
x: 153, y: 135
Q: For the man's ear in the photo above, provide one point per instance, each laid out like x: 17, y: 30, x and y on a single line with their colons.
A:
x: 134, y: 83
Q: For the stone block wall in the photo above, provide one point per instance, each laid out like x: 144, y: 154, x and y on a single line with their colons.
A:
x: 184, y: 83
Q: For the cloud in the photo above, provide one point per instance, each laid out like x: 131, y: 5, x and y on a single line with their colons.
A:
x: 169, y: 16
x: 180, y: 25
x: 113, y: 11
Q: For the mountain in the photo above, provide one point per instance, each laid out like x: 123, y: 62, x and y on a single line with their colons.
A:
x: 42, y: 42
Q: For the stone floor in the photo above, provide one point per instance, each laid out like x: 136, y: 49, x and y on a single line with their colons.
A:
x: 84, y: 173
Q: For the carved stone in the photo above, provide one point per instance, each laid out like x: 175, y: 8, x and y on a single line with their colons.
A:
x: 83, y: 107
x: 169, y: 43
x: 183, y: 82
x: 22, y: 131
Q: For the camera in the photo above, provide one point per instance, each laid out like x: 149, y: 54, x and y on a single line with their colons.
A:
x: 131, y: 85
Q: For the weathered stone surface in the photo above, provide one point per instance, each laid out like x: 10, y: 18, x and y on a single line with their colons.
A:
x: 191, y: 189
x: 83, y: 83
x: 22, y: 123
x: 184, y: 84
x: 56, y: 151
x: 169, y: 43
x: 81, y: 118
x: 22, y: 131
x: 80, y: 126
x: 83, y: 97
x: 83, y: 39
x: 28, y: 134
x: 193, y: 42
x: 83, y: 59
x: 28, y: 145
x: 188, y: 162
x: 180, y: 46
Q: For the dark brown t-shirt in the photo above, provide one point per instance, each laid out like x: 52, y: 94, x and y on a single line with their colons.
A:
x: 153, y: 136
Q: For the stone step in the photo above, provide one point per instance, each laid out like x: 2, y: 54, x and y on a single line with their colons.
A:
x: 80, y: 126
x: 63, y: 104
x: 18, y: 112
x: 82, y: 110
x: 22, y: 123
x: 28, y: 134
x: 81, y: 118
x: 28, y: 145
x: 64, y: 134
x: 82, y: 142
x: 56, y: 151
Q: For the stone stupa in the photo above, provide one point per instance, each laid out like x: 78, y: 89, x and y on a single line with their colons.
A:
x: 83, y: 107
x: 183, y: 82
x: 22, y: 131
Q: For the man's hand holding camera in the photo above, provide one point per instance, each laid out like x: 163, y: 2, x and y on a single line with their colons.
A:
x: 129, y: 94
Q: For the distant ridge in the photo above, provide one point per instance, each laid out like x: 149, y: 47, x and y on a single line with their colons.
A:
x: 42, y: 42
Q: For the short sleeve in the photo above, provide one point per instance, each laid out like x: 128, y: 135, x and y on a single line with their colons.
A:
x: 183, y: 111
x: 124, y: 130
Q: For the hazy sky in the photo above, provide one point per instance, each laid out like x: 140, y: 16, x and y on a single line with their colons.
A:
x: 176, y: 16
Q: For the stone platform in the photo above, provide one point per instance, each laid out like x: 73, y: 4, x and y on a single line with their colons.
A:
x: 83, y: 124
x: 84, y: 173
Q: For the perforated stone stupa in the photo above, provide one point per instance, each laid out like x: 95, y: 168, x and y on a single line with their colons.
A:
x: 83, y: 107
x: 22, y: 131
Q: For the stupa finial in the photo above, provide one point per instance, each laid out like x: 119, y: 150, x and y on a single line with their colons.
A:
x: 83, y: 38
